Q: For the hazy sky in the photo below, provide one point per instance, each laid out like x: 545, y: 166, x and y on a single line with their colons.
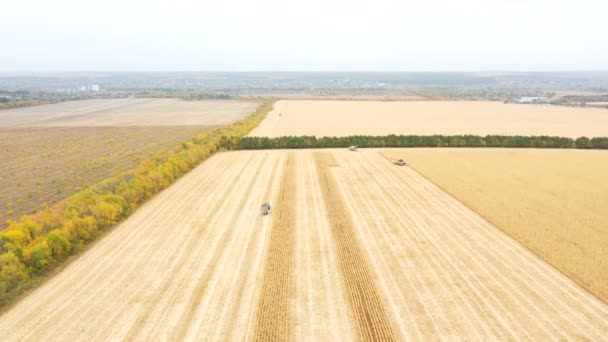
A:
x: 138, y: 35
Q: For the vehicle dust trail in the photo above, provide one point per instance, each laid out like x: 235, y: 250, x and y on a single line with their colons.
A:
x: 371, y: 317
x: 474, y: 273
x: 274, y: 319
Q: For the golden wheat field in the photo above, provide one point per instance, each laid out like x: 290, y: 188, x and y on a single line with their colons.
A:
x: 342, y: 118
x: 354, y: 248
x: 129, y: 112
x: 552, y: 201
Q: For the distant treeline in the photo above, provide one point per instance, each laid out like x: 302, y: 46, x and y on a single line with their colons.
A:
x: 34, y: 244
x: 188, y: 96
x: 584, y: 98
x: 261, y: 143
x: 6, y: 103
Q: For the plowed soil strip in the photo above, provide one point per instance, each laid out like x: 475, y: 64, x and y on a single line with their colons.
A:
x: 370, y: 314
x: 273, y: 320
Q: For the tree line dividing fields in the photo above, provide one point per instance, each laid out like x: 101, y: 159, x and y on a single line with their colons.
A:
x: 33, y: 244
x: 296, y: 142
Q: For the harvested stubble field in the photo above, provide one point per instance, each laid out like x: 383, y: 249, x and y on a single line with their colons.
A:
x: 552, y: 201
x: 45, y: 164
x: 343, y: 118
x: 129, y: 112
x: 355, y: 247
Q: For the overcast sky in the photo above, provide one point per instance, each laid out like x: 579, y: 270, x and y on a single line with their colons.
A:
x: 151, y: 35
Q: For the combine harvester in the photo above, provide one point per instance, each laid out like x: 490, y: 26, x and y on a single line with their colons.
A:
x: 353, y: 148
x: 400, y: 162
x: 265, y: 209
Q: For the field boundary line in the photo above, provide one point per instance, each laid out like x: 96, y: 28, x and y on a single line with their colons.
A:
x: 532, y: 260
x: 520, y: 292
x: 498, y: 228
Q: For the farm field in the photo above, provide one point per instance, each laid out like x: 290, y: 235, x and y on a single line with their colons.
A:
x: 552, y: 201
x: 44, y: 164
x: 129, y: 112
x: 354, y: 248
x: 343, y: 118
x: 51, y: 151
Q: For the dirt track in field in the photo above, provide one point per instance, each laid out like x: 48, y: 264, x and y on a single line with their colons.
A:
x: 193, y: 263
x: 342, y: 118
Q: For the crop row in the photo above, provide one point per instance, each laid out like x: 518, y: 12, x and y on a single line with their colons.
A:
x: 371, y: 316
x: 273, y: 321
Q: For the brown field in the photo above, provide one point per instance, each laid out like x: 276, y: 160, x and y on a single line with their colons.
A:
x: 354, y: 249
x: 129, y: 112
x: 45, y: 164
x: 50, y: 151
x: 554, y: 202
x: 341, y: 118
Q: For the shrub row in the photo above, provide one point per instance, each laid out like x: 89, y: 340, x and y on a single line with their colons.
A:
x: 258, y: 143
x: 34, y: 244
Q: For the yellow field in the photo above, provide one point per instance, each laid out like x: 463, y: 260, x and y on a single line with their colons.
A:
x: 341, y: 118
x: 355, y: 248
x: 554, y: 202
x: 129, y: 112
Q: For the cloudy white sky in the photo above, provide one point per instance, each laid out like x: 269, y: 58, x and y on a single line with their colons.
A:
x: 151, y: 35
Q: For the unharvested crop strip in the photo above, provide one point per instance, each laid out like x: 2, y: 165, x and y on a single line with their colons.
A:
x: 371, y: 316
x: 273, y: 319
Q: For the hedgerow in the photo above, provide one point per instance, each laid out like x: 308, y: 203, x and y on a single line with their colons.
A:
x: 259, y: 143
